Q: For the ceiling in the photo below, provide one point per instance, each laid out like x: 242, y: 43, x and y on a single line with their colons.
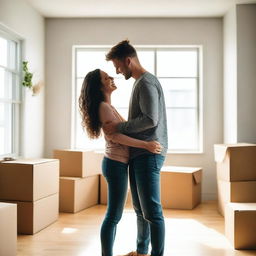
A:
x: 134, y: 8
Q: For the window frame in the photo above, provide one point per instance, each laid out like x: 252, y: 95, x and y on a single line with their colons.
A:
x: 16, y: 104
x: 154, y: 48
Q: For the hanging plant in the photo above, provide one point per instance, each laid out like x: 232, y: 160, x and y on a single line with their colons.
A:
x: 27, y: 81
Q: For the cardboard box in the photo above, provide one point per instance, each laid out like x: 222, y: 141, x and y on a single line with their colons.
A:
x: 77, y: 194
x: 76, y: 163
x: 236, y: 162
x: 8, y: 229
x: 35, y: 216
x: 104, y: 192
x: 180, y: 187
x: 236, y: 191
x: 240, y: 225
x: 29, y: 179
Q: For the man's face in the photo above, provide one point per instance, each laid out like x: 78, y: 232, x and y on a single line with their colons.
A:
x: 122, y: 66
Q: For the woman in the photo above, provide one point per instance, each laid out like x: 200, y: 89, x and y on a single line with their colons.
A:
x: 96, y: 110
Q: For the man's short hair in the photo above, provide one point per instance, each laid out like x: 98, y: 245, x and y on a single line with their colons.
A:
x: 121, y: 51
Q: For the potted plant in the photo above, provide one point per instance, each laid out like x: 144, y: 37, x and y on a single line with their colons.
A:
x: 27, y: 80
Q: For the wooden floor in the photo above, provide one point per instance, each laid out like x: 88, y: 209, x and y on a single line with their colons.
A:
x: 198, y: 232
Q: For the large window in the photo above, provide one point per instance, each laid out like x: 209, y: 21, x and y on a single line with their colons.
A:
x: 9, y: 95
x: 178, y: 70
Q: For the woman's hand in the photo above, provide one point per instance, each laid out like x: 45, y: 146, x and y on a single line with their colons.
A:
x: 154, y: 147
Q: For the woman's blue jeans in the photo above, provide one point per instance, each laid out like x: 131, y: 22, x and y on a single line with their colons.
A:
x: 116, y: 174
x: 144, y: 174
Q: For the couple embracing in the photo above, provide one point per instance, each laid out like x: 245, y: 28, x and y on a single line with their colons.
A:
x: 140, y: 143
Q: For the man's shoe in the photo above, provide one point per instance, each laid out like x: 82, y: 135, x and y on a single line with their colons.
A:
x: 134, y: 254
x: 130, y: 254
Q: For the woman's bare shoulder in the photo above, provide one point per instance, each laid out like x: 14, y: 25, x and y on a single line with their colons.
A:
x: 106, y: 112
x: 104, y: 106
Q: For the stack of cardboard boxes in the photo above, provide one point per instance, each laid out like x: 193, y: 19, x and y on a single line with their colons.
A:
x: 236, y: 181
x: 79, y: 179
x: 181, y: 187
x: 34, y: 186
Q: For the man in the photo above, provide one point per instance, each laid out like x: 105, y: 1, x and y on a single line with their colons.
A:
x: 146, y: 121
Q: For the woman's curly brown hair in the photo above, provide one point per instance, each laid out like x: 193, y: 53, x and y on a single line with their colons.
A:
x: 89, y: 101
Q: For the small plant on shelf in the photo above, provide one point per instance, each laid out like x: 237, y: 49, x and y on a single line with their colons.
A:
x: 27, y: 81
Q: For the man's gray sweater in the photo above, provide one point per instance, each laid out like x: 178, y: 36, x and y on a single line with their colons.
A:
x: 147, y: 114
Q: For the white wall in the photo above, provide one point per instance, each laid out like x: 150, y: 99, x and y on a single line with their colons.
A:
x: 240, y: 74
x: 246, y: 73
x: 23, y: 20
x: 230, y: 76
x: 61, y: 34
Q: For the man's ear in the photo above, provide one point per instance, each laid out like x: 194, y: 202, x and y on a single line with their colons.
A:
x: 128, y: 61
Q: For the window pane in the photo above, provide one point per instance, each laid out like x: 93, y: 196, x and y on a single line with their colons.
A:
x: 121, y: 96
x: 182, y: 129
x: 3, y: 51
x: 2, y: 144
x: 8, y: 52
x: 176, y: 63
x: 9, y: 93
x: 88, y: 61
x: 2, y: 114
x: 123, y: 112
x: 2, y: 83
x: 6, y: 84
x: 79, y: 83
x: 180, y: 92
x: 12, y: 47
x: 6, y: 128
x: 147, y: 60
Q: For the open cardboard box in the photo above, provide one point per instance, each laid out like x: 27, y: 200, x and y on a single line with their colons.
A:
x: 240, y: 225
x: 236, y: 162
x: 180, y: 187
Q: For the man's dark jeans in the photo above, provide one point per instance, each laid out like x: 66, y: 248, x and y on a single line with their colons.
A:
x: 144, y: 174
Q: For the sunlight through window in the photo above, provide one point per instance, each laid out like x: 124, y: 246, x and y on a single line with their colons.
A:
x: 178, y: 70
x: 10, y: 102
x: 69, y: 230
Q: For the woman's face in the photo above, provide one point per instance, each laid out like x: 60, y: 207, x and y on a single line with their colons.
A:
x: 107, y: 81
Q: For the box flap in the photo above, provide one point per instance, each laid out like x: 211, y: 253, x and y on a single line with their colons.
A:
x: 73, y: 150
x: 197, y: 177
x: 29, y: 161
x: 220, y: 150
x: 180, y: 169
x: 71, y: 178
x: 5, y: 205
